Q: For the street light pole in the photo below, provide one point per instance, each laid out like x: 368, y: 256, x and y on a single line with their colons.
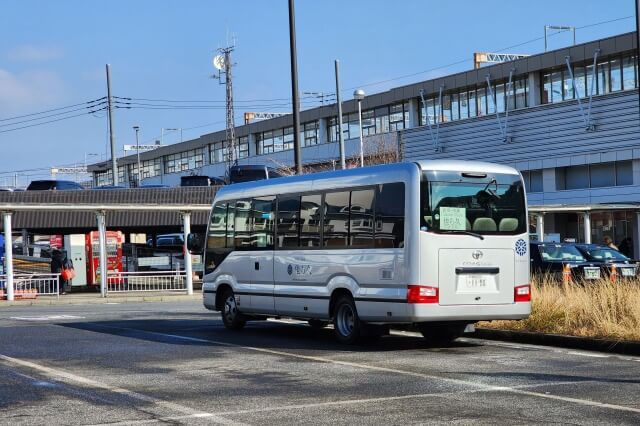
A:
x: 359, y: 96
x: 139, y: 174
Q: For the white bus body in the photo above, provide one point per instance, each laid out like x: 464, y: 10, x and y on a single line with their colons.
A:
x: 437, y: 244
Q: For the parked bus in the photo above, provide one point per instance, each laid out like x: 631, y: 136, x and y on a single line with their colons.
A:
x: 435, y: 244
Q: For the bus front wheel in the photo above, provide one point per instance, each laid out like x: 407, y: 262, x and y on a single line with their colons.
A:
x: 346, y: 324
x: 231, y: 317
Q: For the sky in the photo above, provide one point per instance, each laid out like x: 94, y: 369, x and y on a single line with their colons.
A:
x: 53, y: 56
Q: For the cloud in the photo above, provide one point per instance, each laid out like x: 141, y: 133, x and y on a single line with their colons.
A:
x: 30, y: 53
x: 30, y: 90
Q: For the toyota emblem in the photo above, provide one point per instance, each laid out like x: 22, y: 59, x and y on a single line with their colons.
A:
x: 476, y: 254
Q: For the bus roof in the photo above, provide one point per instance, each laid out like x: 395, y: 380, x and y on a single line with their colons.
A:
x: 362, y: 176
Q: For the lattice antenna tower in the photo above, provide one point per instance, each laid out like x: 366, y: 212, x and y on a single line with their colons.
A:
x: 222, y: 62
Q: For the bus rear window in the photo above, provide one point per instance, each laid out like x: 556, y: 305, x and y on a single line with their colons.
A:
x: 494, y: 205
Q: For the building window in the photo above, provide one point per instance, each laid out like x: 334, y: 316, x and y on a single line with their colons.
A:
x: 310, y: 133
x: 629, y: 73
x: 599, y: 175
x: 612, y: 75
x: 218, y: 150
x: 532, y: 180
x: 186, y: 160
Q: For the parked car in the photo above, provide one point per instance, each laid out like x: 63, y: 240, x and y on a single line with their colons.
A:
x: 201, y: 181
x: 53, y: 185
x: 251, y: 172
x: 607, y: 258
x: 551, y: 258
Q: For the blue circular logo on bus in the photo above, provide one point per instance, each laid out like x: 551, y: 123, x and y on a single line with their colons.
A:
x: 521, y: 247
x: 290, y: 269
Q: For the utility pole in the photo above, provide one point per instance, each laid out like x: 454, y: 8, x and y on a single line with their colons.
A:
x: 114, y: 162
x: 638, y: 34
x: 294, y: 89
x: 224, y: 65
x: 137, y: 129
x: 339, y: 101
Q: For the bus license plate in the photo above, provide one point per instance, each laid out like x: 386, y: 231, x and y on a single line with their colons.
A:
x: 476, y: 282
x: 628, y: 272
x: 592, y: 273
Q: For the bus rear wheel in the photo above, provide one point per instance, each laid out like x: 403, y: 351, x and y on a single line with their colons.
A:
x: 231, y: 317
x: 441, y: 334
x: 346, y: 324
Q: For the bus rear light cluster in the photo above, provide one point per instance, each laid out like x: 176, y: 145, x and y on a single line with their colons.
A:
x: 422, y: 294
x: 522, y: 293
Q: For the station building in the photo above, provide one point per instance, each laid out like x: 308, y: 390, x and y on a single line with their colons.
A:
x: 567, y: 119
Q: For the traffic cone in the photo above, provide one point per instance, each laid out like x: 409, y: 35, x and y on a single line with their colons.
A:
x: 614, y: 274
x: 566, y: 274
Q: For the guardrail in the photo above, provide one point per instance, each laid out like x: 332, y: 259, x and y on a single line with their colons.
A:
x: 29, y: 286
x: 119, y: 282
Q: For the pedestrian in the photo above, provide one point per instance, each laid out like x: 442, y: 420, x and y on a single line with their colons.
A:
x: 609, y: 242
x: 60, y: 262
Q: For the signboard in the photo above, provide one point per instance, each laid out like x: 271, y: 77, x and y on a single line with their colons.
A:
x: 453, y: 218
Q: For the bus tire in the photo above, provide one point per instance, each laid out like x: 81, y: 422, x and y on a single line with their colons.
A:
x: 346, y: 324
x: 440, y: 334
x: 231, y: 316
x: 317, y: 324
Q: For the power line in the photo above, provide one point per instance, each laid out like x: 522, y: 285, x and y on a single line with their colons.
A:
x: 50, y: 121
x: 51, y: 110
x: 52, y: 115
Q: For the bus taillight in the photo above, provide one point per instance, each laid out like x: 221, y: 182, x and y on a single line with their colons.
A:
x: 522, y: 293
x: 422, y: 294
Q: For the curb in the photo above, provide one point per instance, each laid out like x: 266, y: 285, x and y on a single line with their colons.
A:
x: 559, y: 340
x: 100, y: 300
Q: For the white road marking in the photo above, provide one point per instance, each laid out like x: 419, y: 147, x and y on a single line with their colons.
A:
x: 461, y: 382
x: 588, y: 354
x: 47, y: 318
x: 70, y: 378
x: 318, y: 405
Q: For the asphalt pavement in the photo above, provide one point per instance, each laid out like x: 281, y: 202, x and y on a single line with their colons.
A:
x: 174, y: 363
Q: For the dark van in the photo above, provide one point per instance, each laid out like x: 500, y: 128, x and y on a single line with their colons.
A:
x: 251, y: 172
x: 200, y: 181
x: 53, y: 185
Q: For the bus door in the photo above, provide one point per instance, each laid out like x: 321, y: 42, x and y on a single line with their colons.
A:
x: 262, y: 241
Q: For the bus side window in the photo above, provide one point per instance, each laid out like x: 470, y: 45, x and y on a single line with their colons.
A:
x: 310, y: 216
x: 262, y: 218
x: 288, y: 225
x: 389, y: 230
x: 231, y: 224
x: 336, y: 219
x: 242, y: 238
x: 361, y: 218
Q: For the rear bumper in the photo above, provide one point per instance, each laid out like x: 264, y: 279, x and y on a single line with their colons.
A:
x: 434, y: 312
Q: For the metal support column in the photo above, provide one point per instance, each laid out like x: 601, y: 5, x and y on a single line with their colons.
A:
x: 188, y: 269
x: 540, y: 226
x: 587, y: 227
x: 102, y: 238
x: 8, y: 255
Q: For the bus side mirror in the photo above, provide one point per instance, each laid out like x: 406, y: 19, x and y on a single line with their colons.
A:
x: 194, y: 244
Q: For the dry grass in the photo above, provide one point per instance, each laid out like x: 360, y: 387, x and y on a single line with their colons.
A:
x: 601, y: 309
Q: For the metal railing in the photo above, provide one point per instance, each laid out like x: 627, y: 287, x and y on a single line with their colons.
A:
x: 118, y: 282
x: 29, y: 286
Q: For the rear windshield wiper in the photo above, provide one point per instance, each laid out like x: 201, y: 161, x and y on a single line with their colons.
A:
x: 451, y: 231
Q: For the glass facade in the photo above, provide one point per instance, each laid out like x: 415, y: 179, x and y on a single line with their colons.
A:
x: 282, y: 139
x: 186, y: 160
x: 612, y: 75
x: 389, y: 118
x: 476, y: 102
x: 218, y: 150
